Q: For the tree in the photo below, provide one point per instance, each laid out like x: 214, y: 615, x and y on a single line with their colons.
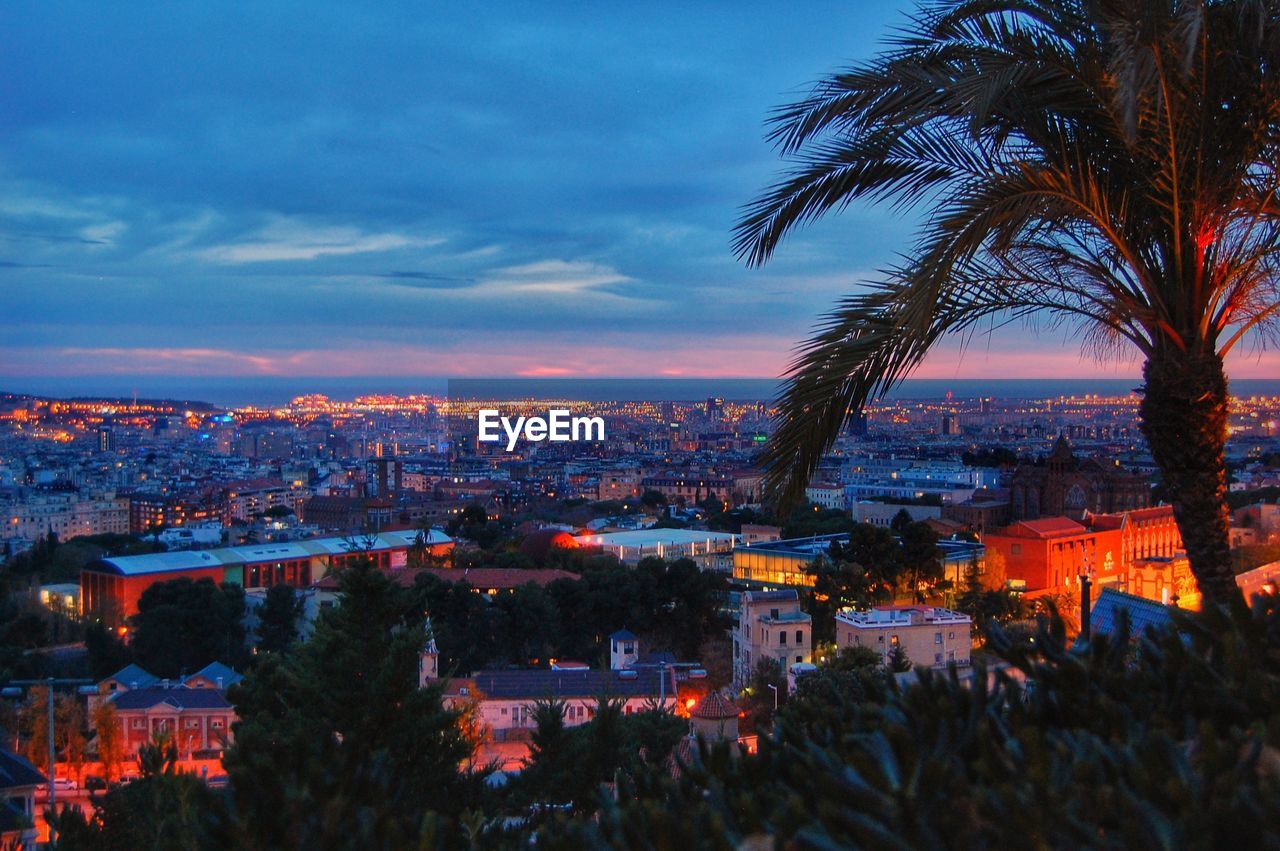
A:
x: 1172, y: 728
x: 921, y: 558
x: 278, y: 619
x: 1107, y: 167
x: 336, y: 740
x: 181, y: 626
x: 68, y: 729
x: 109, y: 738
x: 898, y: 661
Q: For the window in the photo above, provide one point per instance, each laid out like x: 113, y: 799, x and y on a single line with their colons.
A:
x: 782, y: 637
x: 799, y: 658
x: 773, y: 613
x: 937, y: 658
x: 881, y: 639
x: 799, y: 636
x: 937, y: 638
x: 139, y: 724
x: 951, y: 635
x: 217, y: 723
x: 893, y: 639
x: 191, y: 723
x: 504, y: 710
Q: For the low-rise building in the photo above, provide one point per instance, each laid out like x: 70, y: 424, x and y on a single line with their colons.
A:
x: 504, y: 701
x: 197, y: 719
x: 931, y: 636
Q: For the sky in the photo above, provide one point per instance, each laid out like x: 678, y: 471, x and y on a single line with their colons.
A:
x: 361, y: 189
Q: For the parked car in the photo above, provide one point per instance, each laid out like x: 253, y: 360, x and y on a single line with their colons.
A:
x: 94, y: 783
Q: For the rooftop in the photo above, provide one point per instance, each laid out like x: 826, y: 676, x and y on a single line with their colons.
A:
x: 179, y: 697
x: 902, y: 616
x: 545, y: 685
x: 259, y: 553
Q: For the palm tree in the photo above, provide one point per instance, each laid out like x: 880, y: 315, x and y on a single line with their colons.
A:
x: 1105, y: 167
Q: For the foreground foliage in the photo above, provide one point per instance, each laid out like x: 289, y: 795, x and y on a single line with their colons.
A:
x: 1167, y: 742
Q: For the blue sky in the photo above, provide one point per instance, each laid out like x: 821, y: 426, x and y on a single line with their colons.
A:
x: 420, y: 189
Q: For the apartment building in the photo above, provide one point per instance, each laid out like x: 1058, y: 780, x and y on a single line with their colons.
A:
x: 67, y: 515
x: 931, y: 636
x: 771, y: 625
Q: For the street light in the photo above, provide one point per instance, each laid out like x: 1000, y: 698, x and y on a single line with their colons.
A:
x: 85, y: 687
x: 774, y: 689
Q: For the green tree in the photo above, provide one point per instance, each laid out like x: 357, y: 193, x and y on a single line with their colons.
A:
x: 336, y: 746
x: 1107, y: 167
x: 182, y: 625
x: 278, y: 619
x: 897, y: 661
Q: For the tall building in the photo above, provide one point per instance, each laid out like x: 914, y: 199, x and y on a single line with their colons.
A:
x: 106, y: 438
x: 950, y: 425
x: 771, y: 625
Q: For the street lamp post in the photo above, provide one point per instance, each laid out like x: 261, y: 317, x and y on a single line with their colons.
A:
x: 15, y: 690
x: 774, y: 689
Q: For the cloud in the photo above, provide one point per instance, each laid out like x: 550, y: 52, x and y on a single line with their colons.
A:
x: 287, y: 239
x: 552, y: 277
x: 426, y: 280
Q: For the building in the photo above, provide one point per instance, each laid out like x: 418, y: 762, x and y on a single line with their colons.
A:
x: 883, y: 513
x: 110, y: 587
x: 931, y: 636
x: 1137, y: 551
x: 771, y: 625
x: 66, y: 515
x: 198, y: 719
x: 711, y: 550
x: 825, y: 495
x: 1063, y: 486
x: 789, y: 561
x: 1052, y: 552
x: 193, y: 710
x: 18, y: 781
x: 151, y: 511
x: 503, y: 701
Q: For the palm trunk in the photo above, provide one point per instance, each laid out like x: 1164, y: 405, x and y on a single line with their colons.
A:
x: 1184, y: 417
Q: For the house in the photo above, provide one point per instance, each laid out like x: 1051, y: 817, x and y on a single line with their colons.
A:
x: 504, y: 701
x: 771, y: 625
x: 214, y: 675
x: 931, y: 636
x: 129, y: 677
x: 198, y: 719
x: 18, y: 781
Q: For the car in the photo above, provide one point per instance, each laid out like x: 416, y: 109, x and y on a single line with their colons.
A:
x: 61, y: 785
x: 94, y: 783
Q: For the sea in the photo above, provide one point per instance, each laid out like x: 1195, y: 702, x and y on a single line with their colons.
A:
x: 270, y: 391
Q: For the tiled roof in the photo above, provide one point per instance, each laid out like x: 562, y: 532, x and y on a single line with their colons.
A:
x: 17, y: 771
x: 1104, y: 617
x: 714, y: 707
x: 179, y: 697
x: 623, y: 635
x: 1048, y: 527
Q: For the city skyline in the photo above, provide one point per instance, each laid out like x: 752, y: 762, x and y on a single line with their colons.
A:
x: 284, y: 196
